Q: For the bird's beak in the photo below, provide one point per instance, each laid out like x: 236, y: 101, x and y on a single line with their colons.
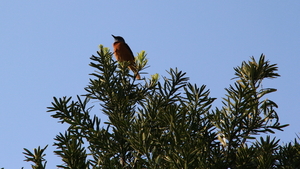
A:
x: 113, y: 36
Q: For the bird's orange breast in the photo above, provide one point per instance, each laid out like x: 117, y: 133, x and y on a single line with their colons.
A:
x: 123, y: 52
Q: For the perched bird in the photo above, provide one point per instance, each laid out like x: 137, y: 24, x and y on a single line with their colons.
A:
x: 123, y: 53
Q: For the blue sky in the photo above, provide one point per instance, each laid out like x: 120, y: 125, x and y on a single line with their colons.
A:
x: 46, y: 45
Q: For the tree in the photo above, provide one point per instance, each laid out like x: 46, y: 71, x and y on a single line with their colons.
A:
x: 169, y: 123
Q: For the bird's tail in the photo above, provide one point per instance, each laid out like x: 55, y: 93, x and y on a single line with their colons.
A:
x: 136, y: 73
x: 137, y: 76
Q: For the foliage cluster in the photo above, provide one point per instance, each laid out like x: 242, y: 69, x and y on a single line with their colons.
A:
x: 169, y: 123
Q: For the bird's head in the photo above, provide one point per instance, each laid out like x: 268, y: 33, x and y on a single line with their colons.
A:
x: 118, y: 38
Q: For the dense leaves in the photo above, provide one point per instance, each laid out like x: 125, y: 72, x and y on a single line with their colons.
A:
x: 169, y: 123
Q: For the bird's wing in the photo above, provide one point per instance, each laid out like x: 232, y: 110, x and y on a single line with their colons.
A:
x: 129, y: 50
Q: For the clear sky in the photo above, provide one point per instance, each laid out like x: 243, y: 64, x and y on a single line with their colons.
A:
x: 45, y: 48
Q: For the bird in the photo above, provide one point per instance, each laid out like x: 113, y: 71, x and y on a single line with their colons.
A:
x: 123, y: 53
